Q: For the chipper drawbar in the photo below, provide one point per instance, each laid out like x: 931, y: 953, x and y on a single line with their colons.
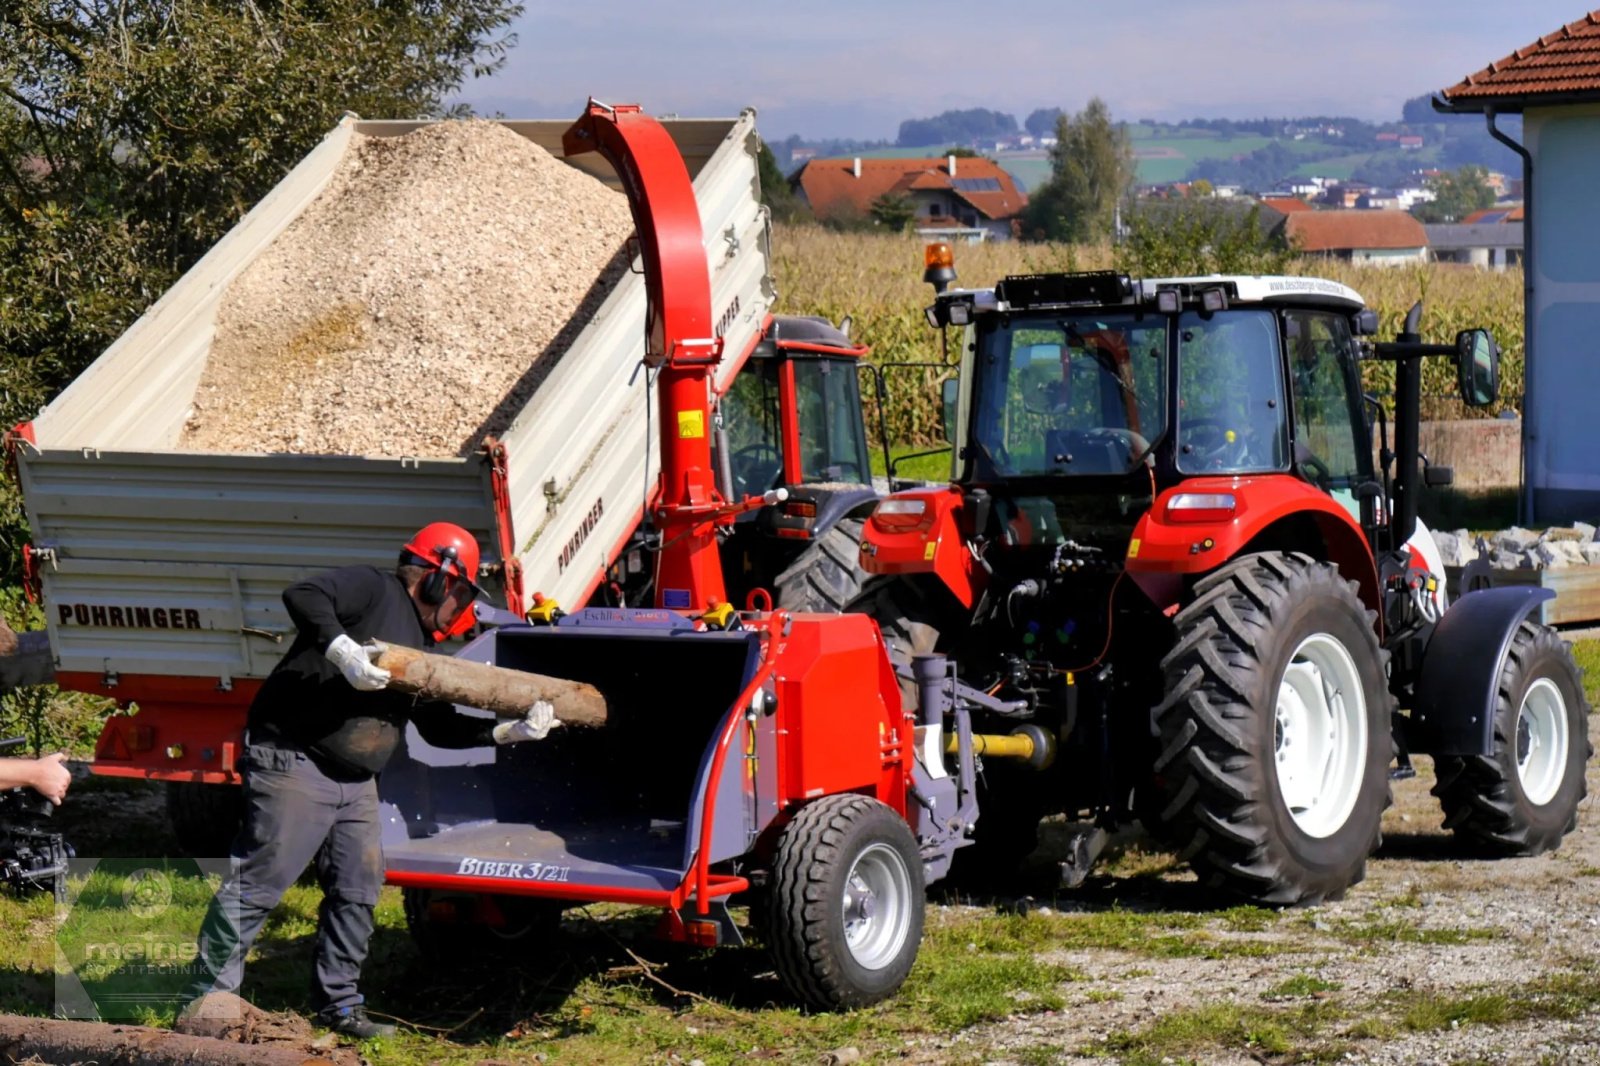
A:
x: 783, y: 757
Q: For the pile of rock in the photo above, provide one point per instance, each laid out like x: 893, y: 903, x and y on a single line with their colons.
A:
x: 1522, y: 549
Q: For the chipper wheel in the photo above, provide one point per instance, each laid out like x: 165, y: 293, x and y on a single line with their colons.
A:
x: 1524, y: 798
x: 844, y: 915
x: 1275, y: 731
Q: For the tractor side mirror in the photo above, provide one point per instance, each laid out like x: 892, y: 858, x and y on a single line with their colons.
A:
x: 1478, y: 367
x: 947, y: 393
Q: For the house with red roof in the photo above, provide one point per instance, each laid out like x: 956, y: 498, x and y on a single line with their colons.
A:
x: 1378, y: 238
x: 1554, y: 83
x: 957, y: 197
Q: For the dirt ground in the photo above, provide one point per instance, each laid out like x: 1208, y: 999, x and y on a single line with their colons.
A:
x: 1426, y: 927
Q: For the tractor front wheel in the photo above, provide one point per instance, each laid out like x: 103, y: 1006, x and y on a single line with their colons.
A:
x: 1523, y: 797
x: 1275, y: 731
x: 844, y: 915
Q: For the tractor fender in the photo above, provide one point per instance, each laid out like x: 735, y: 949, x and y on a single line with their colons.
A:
x: 1453, y: 712
x: 1167, y: 543
x: 919, y: 531
x: 853, y: 501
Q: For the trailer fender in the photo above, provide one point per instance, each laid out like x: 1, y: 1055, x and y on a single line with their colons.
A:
x: 1453, y: 713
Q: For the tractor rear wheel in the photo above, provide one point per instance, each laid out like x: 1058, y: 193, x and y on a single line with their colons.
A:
x: 827, y: 577
x: 845, y: 908
x: 1523, y: 798
x: 1275, y: 731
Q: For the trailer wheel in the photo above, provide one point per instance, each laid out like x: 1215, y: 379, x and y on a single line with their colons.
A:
x: 844, y: 915
x: 450, y: 930
x: 204, y: 818
x: 1523, y: 798
x: 1275, y: 731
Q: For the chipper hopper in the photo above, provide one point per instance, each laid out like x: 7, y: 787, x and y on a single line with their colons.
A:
x: 780, y: 756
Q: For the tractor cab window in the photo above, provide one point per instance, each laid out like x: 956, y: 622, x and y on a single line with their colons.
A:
x: 1070, y: 394
x: 1330, y: 448
x: 1231, y: 417
x: 833, y: 442
x: 750, y: 416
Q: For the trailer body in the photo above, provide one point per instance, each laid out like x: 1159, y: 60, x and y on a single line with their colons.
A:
x: 161, y: 570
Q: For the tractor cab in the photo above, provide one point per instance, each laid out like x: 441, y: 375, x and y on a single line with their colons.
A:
x: 791, y: 419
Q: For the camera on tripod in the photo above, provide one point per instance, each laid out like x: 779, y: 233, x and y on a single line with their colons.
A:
x: 31, y: 858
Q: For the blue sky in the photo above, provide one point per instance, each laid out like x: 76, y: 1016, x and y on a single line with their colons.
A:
x: 856, y: 69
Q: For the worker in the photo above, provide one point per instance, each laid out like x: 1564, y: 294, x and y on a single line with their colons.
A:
x: 319, y: 731
x: 45, y: 775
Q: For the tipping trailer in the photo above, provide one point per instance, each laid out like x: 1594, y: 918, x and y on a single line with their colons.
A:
x: 160, y: 570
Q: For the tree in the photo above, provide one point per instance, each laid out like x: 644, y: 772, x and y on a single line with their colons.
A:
x: 893, y: 212
x: 1042, y: 121
x: 958, y: 127
x: 1201, y: 236
x: 775, y: 190
x: 1456, y: 194
x: 1091, y: 171
x: 133, y: 133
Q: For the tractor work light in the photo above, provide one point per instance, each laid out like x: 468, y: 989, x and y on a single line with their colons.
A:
x: 902, y: 515
x: 960, y: 313
x: 1213, y: 300
x: 1168, y: 301
x: 1196, y: 507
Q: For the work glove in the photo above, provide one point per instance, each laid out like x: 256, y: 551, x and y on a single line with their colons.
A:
x: 351, y: 659
x: 535, y: 725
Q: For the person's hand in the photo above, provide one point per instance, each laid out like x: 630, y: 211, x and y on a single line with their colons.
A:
x: 51, y: 778
x: 535, y: 725
x: 352, y: 661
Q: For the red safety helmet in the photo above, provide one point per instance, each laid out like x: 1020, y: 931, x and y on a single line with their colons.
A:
x: 453, y: 555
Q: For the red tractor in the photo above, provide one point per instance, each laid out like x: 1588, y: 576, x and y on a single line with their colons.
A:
x: 1170, y: 550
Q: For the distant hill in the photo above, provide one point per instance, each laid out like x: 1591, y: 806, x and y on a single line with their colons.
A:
x: 1247, y: 153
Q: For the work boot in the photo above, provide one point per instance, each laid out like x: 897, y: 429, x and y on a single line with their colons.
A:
x: 353, y: 1021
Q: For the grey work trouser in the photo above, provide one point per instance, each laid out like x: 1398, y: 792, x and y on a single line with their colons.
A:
x: 296, y: 813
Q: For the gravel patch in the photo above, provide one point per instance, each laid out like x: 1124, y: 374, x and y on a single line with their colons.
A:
x: 1428, y: 924
x: 417, y: 302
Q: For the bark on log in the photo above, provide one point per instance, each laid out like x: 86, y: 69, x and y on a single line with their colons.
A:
x: 507, y: 693
x: 55, y: 1041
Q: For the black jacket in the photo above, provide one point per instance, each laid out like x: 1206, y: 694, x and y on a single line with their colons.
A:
x: 306, y: 704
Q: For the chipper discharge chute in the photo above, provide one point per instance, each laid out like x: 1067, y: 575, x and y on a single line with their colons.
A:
x: 760, y: 753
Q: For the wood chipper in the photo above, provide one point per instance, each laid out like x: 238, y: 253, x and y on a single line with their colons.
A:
x: 778, y: 755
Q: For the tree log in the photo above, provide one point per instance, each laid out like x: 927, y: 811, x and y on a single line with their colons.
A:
x: 507, y: 693
x: 55, y: 1041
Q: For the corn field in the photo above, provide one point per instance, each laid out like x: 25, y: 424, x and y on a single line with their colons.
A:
x: 876, y: 281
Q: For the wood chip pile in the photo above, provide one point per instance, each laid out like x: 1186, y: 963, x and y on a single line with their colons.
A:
x: 413, y: 308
